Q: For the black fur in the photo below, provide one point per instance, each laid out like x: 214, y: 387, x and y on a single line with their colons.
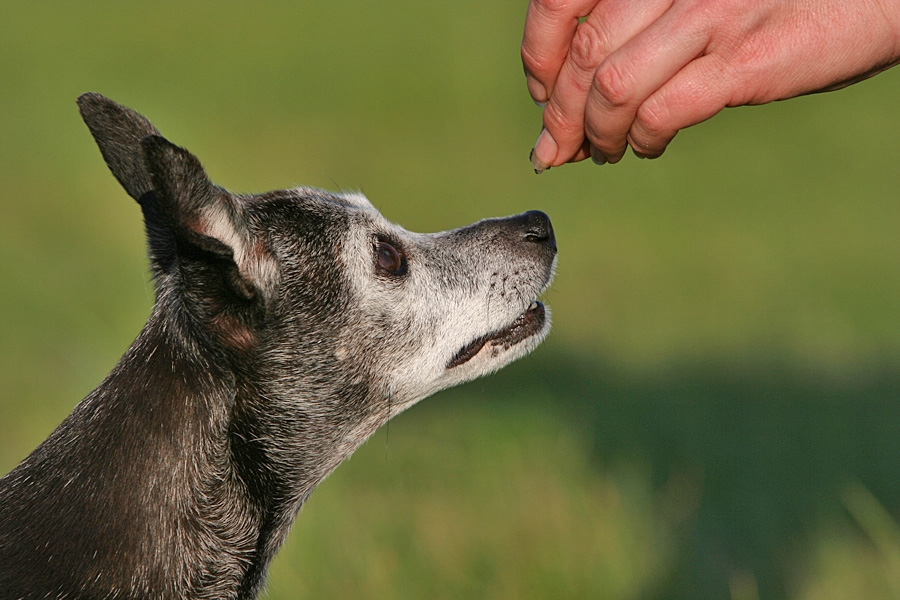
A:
x: 180, y: 475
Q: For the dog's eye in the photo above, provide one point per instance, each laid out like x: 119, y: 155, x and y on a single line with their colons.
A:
x: 389, y: 258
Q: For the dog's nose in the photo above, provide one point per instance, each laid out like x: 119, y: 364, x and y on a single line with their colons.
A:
x: 537, y: 228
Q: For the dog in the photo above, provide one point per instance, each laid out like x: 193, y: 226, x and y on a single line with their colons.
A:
x: 288, y: 326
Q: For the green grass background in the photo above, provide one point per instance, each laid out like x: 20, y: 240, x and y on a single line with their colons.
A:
x: 717, y: 412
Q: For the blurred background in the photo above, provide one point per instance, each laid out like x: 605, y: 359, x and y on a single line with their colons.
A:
x: 717, y: 411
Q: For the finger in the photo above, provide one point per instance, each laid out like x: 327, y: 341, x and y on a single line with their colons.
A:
x: 608, y: 27
x: 549, y: 27
x: 633, y: 73
x: 697, y: 92
x: 582, y: 153
x: 539, y: 167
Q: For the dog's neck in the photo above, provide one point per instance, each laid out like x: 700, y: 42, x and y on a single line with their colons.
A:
x: 171, y: 457
x: 180, y: 400
x: 246, y: 456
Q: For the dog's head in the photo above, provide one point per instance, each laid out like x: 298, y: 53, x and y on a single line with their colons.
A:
x: 326, y: 305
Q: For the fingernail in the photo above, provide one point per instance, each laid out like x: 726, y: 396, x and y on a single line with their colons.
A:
x: 539, y: 104
x: 598, y: 157
x: 537, y: 90
x: 538, y: 169
x: 544, y: 152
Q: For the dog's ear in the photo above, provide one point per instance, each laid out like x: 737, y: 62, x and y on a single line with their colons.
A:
x: 184, y: 213
x: 118, y: 131
x: 206, y: 221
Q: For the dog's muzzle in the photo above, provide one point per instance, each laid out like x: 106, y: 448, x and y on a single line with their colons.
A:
x: 526, y: 325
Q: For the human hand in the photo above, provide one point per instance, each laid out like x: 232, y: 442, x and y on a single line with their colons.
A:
x: 635, y: 72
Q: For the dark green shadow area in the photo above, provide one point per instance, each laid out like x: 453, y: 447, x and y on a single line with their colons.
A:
x: 770, y: 449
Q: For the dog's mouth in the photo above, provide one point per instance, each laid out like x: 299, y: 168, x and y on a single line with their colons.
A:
x: 525, y: 325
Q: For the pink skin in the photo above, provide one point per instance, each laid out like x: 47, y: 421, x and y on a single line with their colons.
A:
x: 619, y: 73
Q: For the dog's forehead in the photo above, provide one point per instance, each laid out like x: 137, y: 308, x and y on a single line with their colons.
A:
x: 354, y: 200
x: 311, y: 205
x: 349, y: 200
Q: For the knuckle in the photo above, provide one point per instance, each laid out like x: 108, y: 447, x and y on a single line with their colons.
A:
x: 608, y: 142
x: 556, y: 120
x: 609, y: 147
x: 652, y: 129
x: 568, y: 132
x: 534, y: 63
x: 554, y: 6
x: 588, y: 48
x: 597, y: 141
x: 613, y: 85
x: 653, y: 116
